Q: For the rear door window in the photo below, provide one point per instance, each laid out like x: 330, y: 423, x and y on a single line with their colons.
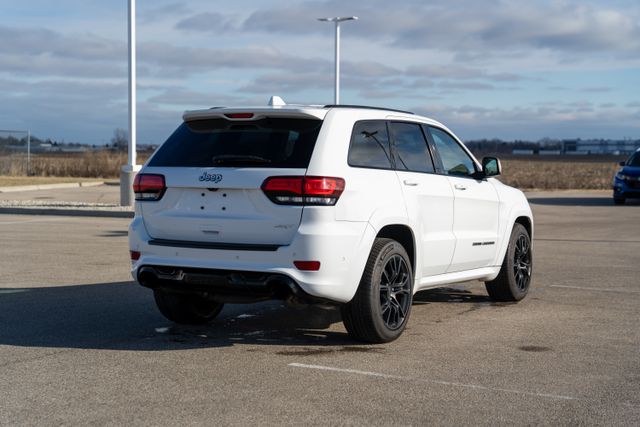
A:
x: 269, y: 142
x: 411, y: 150
x: 370, y: 145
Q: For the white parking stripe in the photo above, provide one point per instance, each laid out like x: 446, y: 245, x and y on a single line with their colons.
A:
x: 625, y: 291
x: 412, y: 379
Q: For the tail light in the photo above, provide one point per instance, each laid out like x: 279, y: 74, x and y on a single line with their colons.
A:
x: 303, y: 190
x: 149, y: 186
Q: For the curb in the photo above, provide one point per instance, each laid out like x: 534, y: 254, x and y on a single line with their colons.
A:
x: 17, y: 188
x: 66, y: 212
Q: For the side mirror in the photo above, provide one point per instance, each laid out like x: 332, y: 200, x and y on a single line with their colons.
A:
x: 622, y: 163
x: 491, y: 166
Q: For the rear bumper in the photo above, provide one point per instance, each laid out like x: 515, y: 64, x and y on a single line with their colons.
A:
x: 342, y: 248
x: 224, y: 285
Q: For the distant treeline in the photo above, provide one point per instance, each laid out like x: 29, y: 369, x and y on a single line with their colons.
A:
x: 19, y: 143
x: 497, y: 146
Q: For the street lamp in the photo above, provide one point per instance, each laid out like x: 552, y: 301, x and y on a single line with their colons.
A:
x: 338, y: 20
x: 129, y: 170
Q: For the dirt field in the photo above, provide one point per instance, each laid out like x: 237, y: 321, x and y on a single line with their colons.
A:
x: 97, y: 164
x: 568, y: 174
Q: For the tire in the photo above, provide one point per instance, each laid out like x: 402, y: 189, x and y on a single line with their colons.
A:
x: 514, y: 279
x: 619, y: 200
x: 380, y: 309
x: 190, y: 309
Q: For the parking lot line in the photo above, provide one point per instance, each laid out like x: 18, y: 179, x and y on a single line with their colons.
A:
x: 416, y: 379
x: 583, y: 288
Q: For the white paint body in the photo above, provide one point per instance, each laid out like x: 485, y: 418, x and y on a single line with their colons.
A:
x: 446, y: 215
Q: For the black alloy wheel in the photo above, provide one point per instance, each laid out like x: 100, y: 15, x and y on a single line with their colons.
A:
x: 522, y: 263
x: 514, y: 279
x: 395, y: 291
x: 380, y: 309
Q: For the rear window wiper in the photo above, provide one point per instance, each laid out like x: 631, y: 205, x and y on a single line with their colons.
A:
x: 238, y: 158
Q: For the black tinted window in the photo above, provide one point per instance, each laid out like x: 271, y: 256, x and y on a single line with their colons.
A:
x: 270, y: 142
x: 411, y: 149
x: 455, y: 160
x: 370, y: 145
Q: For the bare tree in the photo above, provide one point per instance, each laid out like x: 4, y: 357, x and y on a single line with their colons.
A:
x: 120, y: 140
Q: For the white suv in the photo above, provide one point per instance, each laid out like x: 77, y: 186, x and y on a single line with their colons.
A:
x: 355, y: 206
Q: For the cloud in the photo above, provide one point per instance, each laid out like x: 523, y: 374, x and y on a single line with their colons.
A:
x: 155, y: 14
x: 88, y: 110
x: 451, y: 71
x: 42, y: 41
x: 278, y: 83
x: 183, y: 59
x: 52, y: 66
x: 466, y: 86
x: 191, y: 99
x: 597, y: 89
x: 191, y: 54
x: 206, y: 22
x: 368, y: 69
x: 462, y: 26
x: 296, y: 18
x: 44, y: 52
x: 570, y: 120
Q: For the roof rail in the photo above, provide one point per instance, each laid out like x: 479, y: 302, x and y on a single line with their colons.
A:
x: 366, y: 107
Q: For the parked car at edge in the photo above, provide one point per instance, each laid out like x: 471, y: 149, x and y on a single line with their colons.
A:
x: 626, y: 183
x: 357, y: 207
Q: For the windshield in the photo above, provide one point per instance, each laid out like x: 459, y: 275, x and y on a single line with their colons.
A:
x: 269, y: 142
x: 634, y: 160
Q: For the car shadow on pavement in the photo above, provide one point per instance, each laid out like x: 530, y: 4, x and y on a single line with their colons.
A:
x: 580, y: 201
x: 123, y: 316
x: 452, y: 294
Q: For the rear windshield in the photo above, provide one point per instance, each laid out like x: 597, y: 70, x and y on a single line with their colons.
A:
x: 269, y: 142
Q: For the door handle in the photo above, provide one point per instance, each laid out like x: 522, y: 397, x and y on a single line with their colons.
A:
x: 410, y: 183
x: 460, y: 187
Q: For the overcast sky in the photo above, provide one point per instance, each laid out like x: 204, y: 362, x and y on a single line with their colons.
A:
x: 505, y: 69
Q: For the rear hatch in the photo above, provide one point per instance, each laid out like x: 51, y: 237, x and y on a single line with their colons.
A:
x: 214, y: 166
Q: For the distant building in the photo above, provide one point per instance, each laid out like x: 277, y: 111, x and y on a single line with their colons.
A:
x: 599, y: 146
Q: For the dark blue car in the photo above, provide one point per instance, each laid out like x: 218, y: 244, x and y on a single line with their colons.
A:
x: 626, y: 184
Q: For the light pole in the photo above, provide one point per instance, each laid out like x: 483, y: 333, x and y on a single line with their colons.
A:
x: 338, y: 20
x: 130, y: 169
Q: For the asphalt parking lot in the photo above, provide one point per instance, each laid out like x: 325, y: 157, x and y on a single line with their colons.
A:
x: 81, y: 344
